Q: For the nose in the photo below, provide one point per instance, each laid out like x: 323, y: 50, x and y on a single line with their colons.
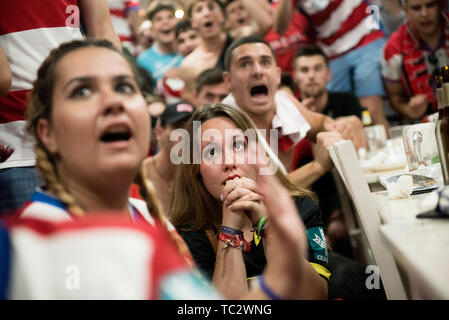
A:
x: 257, y: 69
x: 112, y: 102
x: 424, y: 11
x: 229, y: 163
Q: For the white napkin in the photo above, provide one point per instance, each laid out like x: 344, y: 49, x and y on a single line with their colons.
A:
x: 400, y: 189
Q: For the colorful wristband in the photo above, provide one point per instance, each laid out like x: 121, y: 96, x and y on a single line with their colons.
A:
x: 270, y: 294
x: 235, y: 241
x: 231, y: 231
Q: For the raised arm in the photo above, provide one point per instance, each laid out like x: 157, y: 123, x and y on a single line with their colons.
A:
x: 5, y: 74
x: 283, y: 16
x: 97, y: 21
x: 262, y: 13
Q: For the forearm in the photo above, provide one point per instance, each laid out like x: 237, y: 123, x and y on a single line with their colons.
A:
x: 5, y: 74
x: 312, y: 286
x: 230, y: 272
x: 399, y: 103
x: 307, y: 174
x: 96, y: 18
x: 283, y: 16
x: 262, y: 14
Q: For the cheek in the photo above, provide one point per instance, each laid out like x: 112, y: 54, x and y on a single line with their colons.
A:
x: 210, y: 176
x: 71, y: 126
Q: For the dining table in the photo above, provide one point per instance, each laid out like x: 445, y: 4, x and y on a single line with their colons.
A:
x: 420, y: 245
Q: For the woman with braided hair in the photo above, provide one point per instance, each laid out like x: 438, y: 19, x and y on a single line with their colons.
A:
x: 92, y: 133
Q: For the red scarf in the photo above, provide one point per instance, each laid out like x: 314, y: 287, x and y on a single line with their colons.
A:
x: 415, y: 76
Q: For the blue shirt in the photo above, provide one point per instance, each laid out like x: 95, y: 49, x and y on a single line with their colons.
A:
x: 158, y: 63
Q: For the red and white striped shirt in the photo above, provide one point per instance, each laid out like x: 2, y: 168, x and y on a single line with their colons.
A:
x: 119, y: 10
x: 340, y: 25
x: 29, y: 30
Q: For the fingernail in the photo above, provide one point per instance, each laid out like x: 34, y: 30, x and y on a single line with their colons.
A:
x: 221, y: 197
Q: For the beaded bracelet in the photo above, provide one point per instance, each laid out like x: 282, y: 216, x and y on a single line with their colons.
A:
x: 269, y: 293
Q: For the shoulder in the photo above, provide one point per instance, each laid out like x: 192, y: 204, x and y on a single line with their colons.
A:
x: 394, y: 43
x: 309, y: 211
x: 44, y: 206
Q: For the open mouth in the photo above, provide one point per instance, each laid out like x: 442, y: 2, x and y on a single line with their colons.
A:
x: 115, y: 134
x: 208, y: 24
x: 167, y: 32
x: 259, y: 91
x: 241, y: 21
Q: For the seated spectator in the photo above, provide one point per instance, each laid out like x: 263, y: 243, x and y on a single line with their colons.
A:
x: 312, y: 74
x: 187, y: 38
x: 218, y: 200
x: 162, y: 55
x: 207, y: 17
x: 29, y: 30
x: 247, y: 17
x: 160, y: 170
x: 210, y: 87
x: 254, y: 77
x: 413, y: 54
x: 92, y: 131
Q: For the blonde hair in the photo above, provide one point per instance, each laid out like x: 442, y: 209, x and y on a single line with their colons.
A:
x: 40, y: 107
x: 192, y: 206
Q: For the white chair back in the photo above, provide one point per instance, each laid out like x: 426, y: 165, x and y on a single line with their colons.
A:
x: 347, y: 164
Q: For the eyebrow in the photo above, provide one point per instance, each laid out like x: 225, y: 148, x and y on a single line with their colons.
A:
x: 265, y: 56
x: 91, y: 78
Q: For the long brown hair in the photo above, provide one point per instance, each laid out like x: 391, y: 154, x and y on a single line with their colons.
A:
x: 192, y: 206
x: 41, y: 106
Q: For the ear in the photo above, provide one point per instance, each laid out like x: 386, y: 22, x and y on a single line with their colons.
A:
x: 157, y: 132
x: 279, y: 71
x: 46, y: 135
x: 329, y: 74
x: 227, y: 79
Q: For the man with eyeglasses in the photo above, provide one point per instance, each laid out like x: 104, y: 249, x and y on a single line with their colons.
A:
x: 412, y: 57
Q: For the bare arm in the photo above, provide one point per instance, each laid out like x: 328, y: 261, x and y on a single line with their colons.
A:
x: 230, y: 272
x: 262, y: 13
x: 283, y: 16
x: 95, y: 15
x: 322, y: 163
x: 413, y: 108
x: 5, y: 74
x: 135, y: 19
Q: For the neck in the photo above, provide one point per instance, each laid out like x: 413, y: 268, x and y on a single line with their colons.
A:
x: 99, y: 195
x: 166, y: 48
x: 320, y: 100
x: 164, y: 166
x: 431, y: 39
x: 214, y: 43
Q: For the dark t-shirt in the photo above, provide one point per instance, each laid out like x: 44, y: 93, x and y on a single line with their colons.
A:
x: 339, y: 104
x: 221, y: 59
x: 204, y: 255
x: 342, y: 104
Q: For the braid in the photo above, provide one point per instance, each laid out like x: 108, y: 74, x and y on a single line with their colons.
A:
x: 147, y: 192
x: 49, y: 175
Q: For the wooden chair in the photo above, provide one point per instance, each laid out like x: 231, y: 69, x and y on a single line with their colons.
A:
x: 347, y: 164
